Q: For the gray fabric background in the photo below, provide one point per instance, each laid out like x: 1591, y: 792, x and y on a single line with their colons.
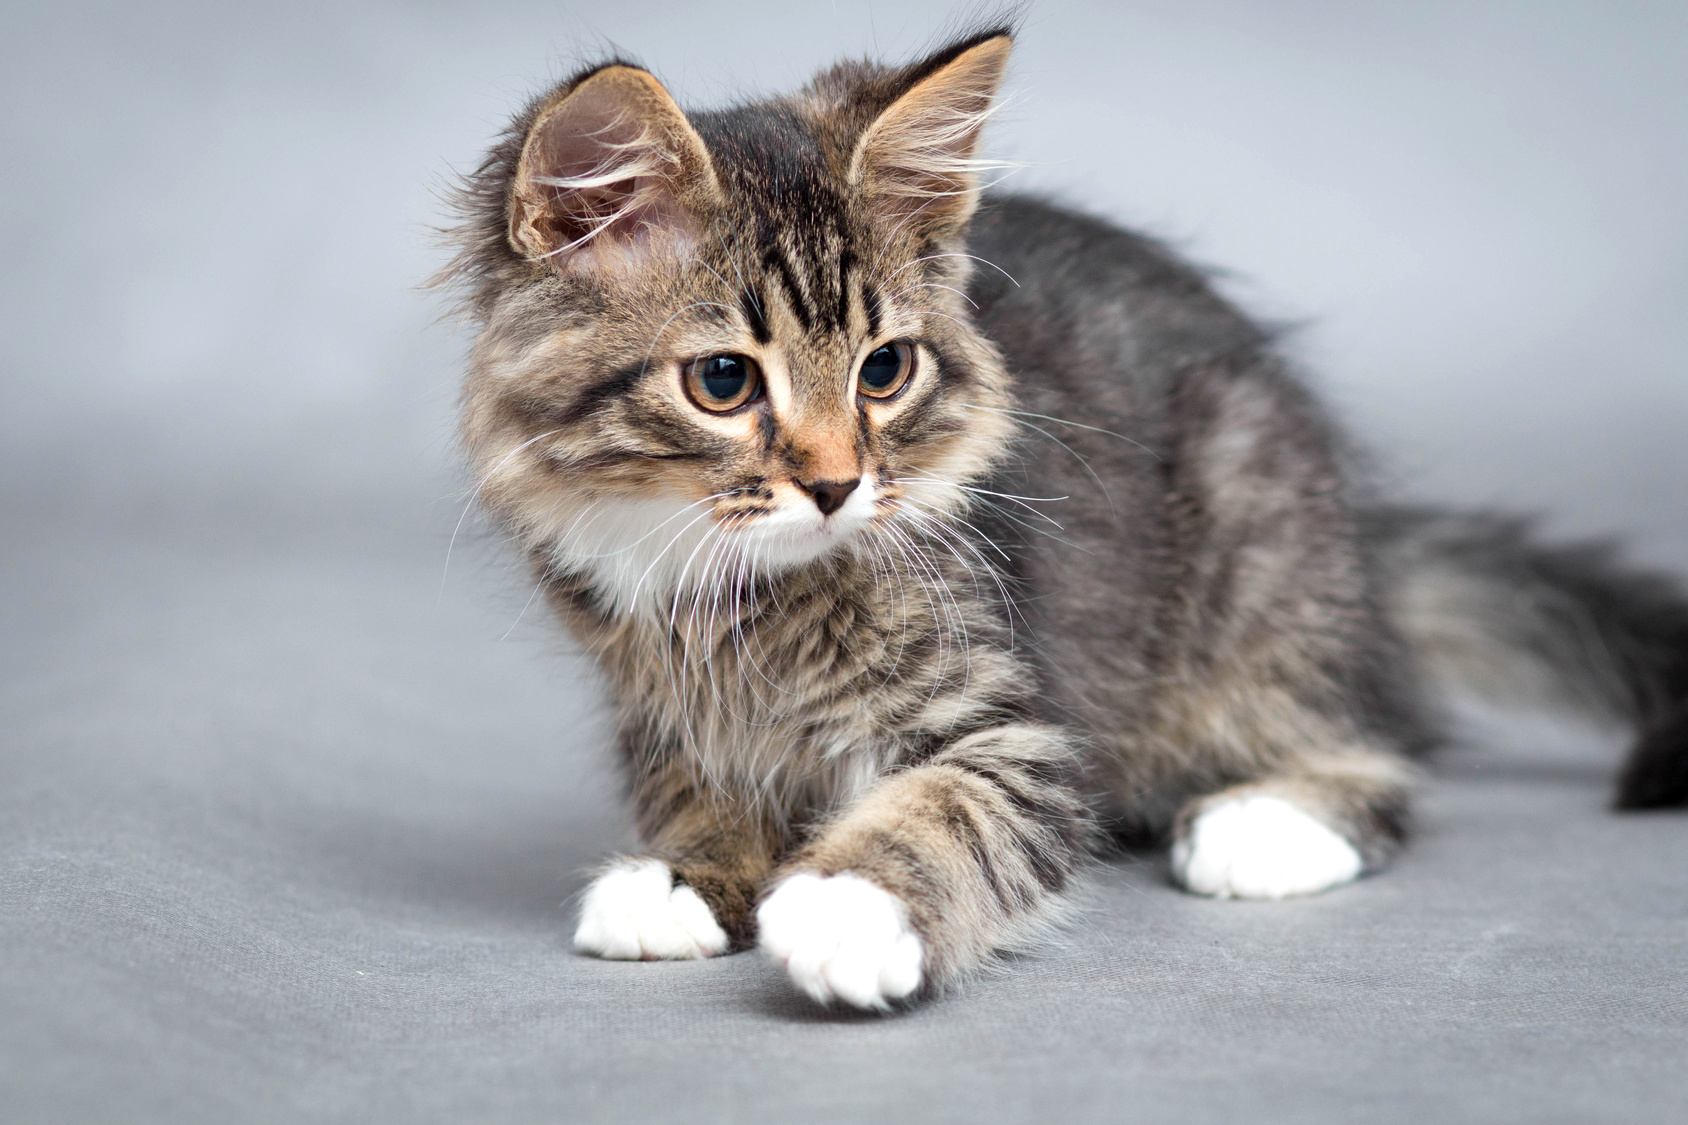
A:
x: 291, y: 811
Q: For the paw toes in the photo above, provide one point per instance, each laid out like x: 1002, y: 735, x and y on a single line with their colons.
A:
x: 634, y: 912
x: 1262, y: 847
x: 841, y: 938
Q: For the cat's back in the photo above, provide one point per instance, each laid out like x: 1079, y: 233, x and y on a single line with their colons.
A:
x: 1098, y: 326
x: 1112, y: 344
x: 1089, y: 314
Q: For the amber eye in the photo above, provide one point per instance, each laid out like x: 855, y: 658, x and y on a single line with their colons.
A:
x: 720, y: 383
x: 885, y: 371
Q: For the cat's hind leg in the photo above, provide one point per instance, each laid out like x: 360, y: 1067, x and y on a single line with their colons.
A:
x: 1314, y: 825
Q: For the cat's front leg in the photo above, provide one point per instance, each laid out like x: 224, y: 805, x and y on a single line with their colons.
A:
x: 693, y: 896
x: 635, y: 910
x: 937, y: 868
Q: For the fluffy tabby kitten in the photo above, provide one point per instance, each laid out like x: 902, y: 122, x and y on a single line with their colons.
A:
x: 927, y: 538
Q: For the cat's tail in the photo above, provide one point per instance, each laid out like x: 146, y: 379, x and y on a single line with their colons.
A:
x: 1491, y: 614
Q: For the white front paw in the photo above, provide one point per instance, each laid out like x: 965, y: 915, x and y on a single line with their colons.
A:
x: 634, y: 912
x: 841, y: 937
x: 1261, y: 847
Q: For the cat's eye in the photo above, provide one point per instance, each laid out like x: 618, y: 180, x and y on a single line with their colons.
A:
x: 720, y: 383
x: 886, y: 370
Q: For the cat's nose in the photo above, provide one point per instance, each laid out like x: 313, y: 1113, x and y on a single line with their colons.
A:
x: 829, y: 494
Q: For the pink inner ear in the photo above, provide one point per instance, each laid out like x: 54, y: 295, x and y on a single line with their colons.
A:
x: 603, y: 181
x: 630, y: 215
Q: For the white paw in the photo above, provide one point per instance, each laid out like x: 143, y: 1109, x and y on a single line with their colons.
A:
x: 634, y: 912
x: 841, y: 937
x: 1261, y: 847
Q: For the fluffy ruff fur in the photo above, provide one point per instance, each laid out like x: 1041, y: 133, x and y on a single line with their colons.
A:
x: 890, y: 658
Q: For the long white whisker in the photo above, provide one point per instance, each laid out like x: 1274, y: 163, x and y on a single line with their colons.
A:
x: 948, y: 515
x: 1076, y: 456
x: 473, y: 496
x: 932, y: 285
x: 639, y: 585
x: 665, y: 522
x: 645, y: 366
x: 980, y: 493
x: 950, y: 539
x: 951, y: 612
x: 519, y: 616
x: 1064, y: 422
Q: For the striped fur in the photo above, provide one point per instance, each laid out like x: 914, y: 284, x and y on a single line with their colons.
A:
x: 1105, y: 566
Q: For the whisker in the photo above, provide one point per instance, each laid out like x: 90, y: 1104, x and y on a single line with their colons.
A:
x: 645, y: 366
x: 986, y: 491
x: 975, y: 257
x: 682, y: 511
x: 1008, y: 515
x: 951, y: 614
x: 1076, y: 456
x: 523, y: 613
x: 951, y: 538
x: 639, y: 585
x: 473, y: 496
x: 1064, y: 422
x: 980, y: 494
x: 932, y: 285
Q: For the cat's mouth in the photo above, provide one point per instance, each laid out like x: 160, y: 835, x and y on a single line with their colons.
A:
x: 794, y: 530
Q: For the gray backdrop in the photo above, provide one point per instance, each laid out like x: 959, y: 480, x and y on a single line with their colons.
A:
x: 290, y: 807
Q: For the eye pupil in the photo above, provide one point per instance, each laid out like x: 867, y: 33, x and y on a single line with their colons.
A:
x: 723, y: 376
x: 881, y: 367
x: 885, y: 370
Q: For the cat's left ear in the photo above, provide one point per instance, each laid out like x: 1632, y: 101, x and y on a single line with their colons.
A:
x: 917, y: 162
x: 610, y: 173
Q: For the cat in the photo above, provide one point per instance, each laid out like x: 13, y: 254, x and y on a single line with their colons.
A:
x: 930, y: 539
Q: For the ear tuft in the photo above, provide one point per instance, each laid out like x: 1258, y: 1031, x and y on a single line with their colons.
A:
x: 917, y: 162
x: 609, y: 174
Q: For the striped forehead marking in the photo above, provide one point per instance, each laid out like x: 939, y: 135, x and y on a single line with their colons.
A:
x: 819, y: 297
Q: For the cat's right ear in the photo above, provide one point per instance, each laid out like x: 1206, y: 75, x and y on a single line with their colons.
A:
x: 611, y: 174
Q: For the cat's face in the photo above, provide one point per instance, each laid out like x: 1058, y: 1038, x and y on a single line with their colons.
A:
x: 732, y: 346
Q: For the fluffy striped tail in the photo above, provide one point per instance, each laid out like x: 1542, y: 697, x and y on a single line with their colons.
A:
x: 1490, y: 613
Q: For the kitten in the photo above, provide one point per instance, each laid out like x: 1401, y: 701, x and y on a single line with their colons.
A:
x: 927, y: 538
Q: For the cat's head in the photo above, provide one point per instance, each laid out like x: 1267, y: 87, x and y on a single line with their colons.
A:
x: 734, y: 342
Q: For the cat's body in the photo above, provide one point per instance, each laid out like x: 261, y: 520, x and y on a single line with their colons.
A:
x: 1207, y: 507
x: 923, y: 542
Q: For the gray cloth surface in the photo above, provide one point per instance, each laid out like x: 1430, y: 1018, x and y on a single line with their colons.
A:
x: 290, y: 828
